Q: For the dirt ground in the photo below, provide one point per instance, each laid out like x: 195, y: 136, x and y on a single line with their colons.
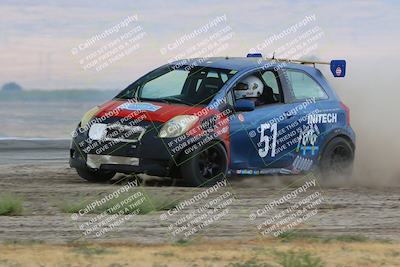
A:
x: 354, y: 226
x: 44, y: 181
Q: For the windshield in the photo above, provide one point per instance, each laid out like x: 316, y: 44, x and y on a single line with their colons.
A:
x: 196, y: 86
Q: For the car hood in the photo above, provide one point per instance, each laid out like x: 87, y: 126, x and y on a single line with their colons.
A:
x: 148, y: 111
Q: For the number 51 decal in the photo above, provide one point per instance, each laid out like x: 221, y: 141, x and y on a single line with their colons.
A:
x: 264, y: 138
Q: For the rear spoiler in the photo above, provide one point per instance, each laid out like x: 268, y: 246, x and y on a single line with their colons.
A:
x: 338, y: 66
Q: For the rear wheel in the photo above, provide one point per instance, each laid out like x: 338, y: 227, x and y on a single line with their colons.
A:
x: 337, y: 160
x: 206, y: 166
x: 99, y: 176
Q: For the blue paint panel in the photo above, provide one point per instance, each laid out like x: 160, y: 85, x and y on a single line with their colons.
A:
x: 245, y: 130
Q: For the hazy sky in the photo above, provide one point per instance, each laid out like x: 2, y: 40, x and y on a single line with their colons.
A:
x: 37, y: 37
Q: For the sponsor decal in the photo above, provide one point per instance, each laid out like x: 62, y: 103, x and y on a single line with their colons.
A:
x: 248, y: 172
x: 302, y: 164
x: 338, y: 71
x: 263, y: 171
x: 245, y: 172
x: 140, y: 106
x: 307, y: 140
x: 322, y: 118
x: 268, y: 133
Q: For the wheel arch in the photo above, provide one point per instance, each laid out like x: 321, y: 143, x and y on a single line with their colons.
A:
x: 335, y: 134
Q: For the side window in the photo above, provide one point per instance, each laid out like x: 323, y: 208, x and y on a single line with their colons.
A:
x: 304, y: 86
x: 263, y: 88
x: 224, y: 77
x: 272, y: 91
x: 270, y: 80
x: 229, y: 98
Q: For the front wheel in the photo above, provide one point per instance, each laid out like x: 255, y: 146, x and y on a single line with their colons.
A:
x: 93, y: 176
x: 205, y: 166
x: 337, y: 160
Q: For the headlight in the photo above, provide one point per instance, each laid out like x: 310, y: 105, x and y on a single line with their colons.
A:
x: 97, y: 131
x: 89, y: 115
x: 177, y: 126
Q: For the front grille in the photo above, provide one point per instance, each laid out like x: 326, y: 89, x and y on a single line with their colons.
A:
x: 123, y: 133
x: 116, y: 132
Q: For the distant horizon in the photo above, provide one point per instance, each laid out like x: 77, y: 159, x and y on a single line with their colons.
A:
x: 24, y: 89
x: 63, y: 89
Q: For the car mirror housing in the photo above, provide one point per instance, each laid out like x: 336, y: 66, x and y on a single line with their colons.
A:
x: 244, y: 105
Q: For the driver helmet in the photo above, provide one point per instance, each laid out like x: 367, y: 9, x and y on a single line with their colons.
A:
x: 255, y: 88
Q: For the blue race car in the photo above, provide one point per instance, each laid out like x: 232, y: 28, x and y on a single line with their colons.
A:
x: 204, y: 119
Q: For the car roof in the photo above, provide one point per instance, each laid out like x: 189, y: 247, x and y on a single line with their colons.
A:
x: 237, y: 63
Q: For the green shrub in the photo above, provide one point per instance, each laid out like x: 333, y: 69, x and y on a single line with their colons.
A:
x: 10, y: 204
x: 149, y: 204
x: 249, y: 263
x: 298, y: 259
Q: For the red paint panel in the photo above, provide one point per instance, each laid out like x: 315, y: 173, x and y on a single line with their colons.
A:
x: 163, y: 114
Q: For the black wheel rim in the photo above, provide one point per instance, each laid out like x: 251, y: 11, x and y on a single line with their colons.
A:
x: 340, y: 159
x: 211, y: 163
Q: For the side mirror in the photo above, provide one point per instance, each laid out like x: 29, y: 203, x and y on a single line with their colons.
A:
x: 244, y: 105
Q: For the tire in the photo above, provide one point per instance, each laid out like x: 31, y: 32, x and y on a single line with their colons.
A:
x: 337, y: 160
x: 98, y: 176
x: 205, y: 166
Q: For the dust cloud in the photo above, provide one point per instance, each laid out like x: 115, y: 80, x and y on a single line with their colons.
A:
x: 371, y: 92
